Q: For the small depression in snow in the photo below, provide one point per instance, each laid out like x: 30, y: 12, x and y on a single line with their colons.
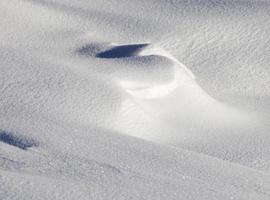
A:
x: 120, y: 51
x: 18, y: 141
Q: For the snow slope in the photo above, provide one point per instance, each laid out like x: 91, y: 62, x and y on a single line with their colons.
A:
x: 127, y: 99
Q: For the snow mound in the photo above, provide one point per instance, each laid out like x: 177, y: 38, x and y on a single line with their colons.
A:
x: 143, y: 70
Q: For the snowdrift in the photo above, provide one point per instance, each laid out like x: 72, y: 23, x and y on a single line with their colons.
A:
x: 134, y: 99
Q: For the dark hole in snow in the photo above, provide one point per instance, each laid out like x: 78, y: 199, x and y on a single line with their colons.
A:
x: 122, y: 51
x: 19, y: 141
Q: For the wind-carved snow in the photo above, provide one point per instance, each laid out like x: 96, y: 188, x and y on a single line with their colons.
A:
x: 134, y: 99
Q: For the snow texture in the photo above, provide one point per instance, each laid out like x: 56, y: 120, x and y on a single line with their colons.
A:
x: 145, y: 99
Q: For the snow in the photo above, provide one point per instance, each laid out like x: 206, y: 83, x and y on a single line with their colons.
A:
x: 127, y: 99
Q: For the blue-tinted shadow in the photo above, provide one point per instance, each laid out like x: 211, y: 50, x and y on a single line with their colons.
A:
x: 17, y: 141
x: 122, y: 51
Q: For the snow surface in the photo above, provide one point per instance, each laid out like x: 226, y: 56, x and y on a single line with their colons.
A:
x: 145, y: 99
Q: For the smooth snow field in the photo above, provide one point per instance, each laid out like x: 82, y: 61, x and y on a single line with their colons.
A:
x: 135, y: 99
